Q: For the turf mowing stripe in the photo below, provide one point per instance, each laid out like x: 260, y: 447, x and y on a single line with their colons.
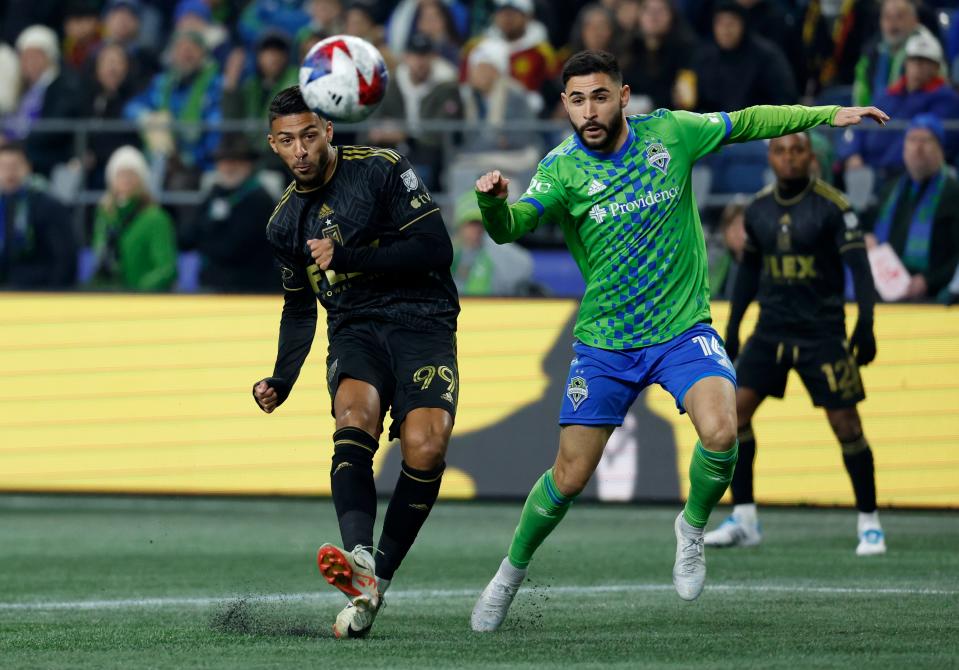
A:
x: 458, y: 593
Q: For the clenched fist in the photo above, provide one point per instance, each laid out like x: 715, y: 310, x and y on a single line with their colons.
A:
x: 322, y: 252
x: 265, y: 396
x: 493, y: 183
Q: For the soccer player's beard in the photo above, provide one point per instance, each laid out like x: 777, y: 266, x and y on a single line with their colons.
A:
x: 319, y: 174
x: 608, y: 143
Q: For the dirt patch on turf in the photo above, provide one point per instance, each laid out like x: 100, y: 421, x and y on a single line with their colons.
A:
x: 242, y: 617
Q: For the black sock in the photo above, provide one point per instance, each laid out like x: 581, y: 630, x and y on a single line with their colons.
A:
x: 412, y: 500
x: 354, y: 492
x: 857, y: 456
x: 742, y: 485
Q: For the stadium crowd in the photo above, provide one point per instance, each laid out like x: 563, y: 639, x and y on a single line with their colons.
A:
x: 132, y: 152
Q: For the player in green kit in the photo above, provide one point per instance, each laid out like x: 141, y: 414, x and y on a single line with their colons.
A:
x: 620, y: 190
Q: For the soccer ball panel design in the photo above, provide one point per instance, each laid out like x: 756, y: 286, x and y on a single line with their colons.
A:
x: 343, y: 78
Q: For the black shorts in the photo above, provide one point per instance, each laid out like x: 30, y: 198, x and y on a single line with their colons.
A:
x: 826, y: 368
x: 408, y: 368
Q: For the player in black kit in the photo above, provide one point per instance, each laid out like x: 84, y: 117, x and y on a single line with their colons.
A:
x: 799, y: 233
x: 358, y: 230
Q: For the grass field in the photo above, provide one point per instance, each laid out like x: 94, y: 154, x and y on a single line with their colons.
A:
x: 90, y: 582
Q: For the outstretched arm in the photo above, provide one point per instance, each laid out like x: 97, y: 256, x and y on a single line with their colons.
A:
x: 504, y: 223
x: 767, y: 121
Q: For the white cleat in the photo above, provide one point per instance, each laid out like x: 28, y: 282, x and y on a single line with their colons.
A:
x: 356, y: 619
x: 689, y: 571
x: 735, y: 531
x: 872, y: 542
x: 493, y: 604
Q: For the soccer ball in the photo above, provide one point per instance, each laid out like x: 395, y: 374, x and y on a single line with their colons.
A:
x: 343, y: 78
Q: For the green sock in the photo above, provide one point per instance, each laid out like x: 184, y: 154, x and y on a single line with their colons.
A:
x: 544, y: 509
x: 709, y: 475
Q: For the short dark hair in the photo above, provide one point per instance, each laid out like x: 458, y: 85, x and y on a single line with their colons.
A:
x: 590, y: 62
x: 14, y: 148
x: 287, y: 102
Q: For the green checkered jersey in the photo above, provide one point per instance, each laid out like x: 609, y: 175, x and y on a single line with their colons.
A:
x: 630, y: 220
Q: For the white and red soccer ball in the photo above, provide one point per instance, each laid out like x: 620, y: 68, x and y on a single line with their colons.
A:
x: 343, y: 78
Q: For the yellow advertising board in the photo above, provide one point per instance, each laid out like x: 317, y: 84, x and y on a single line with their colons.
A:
x: 151, y: 394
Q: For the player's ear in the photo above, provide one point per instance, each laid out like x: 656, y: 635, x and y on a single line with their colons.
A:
x: 269, y: 138
x: 329, y: 131
x: 624, y: 96
x: 562, y: 96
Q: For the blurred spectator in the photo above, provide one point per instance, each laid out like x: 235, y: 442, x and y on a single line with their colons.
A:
x: 739, y: 69
x: 627, y: 14
x: 38, y: 248
x: 81, y: 33
x: 777, y: 25
x: 480, y: 266
x: 881, y: 65
x: 657, y: 69
x: 726, y: 253
x: 133, y: 241
x: 918, y: 213
x: 250, y: 98
x: 195, y: 16
x: 287, y: 16
x: 362, y: 19
x: 9, y: 79
x: 443, y: 21
x: 48, y: 93
x: 326, y: 18
x: 834, y: 35
x: 227, y: 229
x: 921, y: 90
x: 110, y: 90
x: 595, y: 29
x: 189, y: 92
x: 489, y: 99
x: 532, y: 61
x: 121, y: 25
x: 420, y: 72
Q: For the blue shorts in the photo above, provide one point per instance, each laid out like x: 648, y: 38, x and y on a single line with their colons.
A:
x: 603, y: 384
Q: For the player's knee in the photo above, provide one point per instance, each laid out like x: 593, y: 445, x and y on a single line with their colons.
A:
x: 569, y: 479
x: 846, y: 426
x: 719, y: 434
x: 424, y: 447
x: 358, y: 416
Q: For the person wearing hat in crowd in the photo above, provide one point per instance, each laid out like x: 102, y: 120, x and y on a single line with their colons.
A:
x: 739, y: 69
x: 922, y: 89
x: 38, y: 248
x: 227, y: 228
x: 531, y: 59
x: 121, y: 26
x: 188, y: 92
x: 195, y: 16
x: 134, y: 244
x: 416, y: 76
x: 918, y: 212
x: 488, y: 98
x: 48, y: 93
x: 480, y: 266
x: 287, y: 16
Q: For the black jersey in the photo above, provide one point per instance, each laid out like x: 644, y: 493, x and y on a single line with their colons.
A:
x: 372, y: 199
x: 800, y: 240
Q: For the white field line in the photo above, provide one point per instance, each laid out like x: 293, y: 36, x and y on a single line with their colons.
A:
x: 148, y: 603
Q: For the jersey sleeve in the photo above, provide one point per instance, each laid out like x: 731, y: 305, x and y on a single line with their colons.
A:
x: 406, y: 197
x: 292, y: 273
x: 703, y: 133
x: 546, y: 193
x: 845, y: 228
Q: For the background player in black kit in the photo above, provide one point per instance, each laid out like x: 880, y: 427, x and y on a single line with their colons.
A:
x: 799, y: 233
x: 358, y: 230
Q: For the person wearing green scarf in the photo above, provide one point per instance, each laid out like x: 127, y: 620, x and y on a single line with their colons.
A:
x: 918, y: 213
x: 188, y: 92
x: 134, y: 244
